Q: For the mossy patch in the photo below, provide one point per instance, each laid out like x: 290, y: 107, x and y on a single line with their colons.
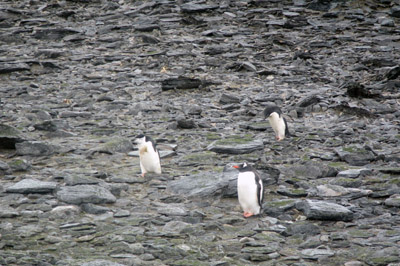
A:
x: 212, y: 136
x: 205, y: 157
x: 280, y: 203
x: 385, y: 260
x: 361, y: 233
x: 234, y: 140
x: 339, y: 165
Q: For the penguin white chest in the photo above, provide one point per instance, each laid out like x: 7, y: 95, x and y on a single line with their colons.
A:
x: 149, y: 159
x: 278, y: 125
x: 248, y: 192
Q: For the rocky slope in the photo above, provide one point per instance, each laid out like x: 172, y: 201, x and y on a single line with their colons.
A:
x: 80, y: 79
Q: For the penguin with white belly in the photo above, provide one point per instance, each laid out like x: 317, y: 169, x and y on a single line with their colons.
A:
x: 277, y: 121
x: 148, y: 154
x: 250, y: 190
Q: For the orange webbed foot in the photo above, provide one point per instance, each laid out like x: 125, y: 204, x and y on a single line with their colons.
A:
x: 247, y: 214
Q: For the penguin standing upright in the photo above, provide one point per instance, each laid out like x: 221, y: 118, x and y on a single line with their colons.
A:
x: 148, y: 154
x: 250, y: 190
x: 277, y: 121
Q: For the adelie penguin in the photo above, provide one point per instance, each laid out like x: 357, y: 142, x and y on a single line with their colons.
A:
x: 277, y: 121
x: 148, y: 154
x: 250, y: 190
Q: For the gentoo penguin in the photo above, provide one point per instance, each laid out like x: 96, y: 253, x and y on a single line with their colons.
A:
x: 277, y: 121
x: 250, y: 189
x: 148, y: 154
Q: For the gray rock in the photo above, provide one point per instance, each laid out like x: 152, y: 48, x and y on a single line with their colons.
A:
x: 227, y: 98
x: 85, y: 194
x: 236, y: 146
x: 65, y: 213
x: 20, y: 165
x: 51, y: 125
x: 32, y: 186
x: 69, y: 114
x: 171, y: 210
x: 278, y: 207
x: 302, y: 228
x: 193, y: 7
x: 185, y: 123
x: 114, y: 145
x: 4, y: 168
x: 383, y: 256
x: 73, y: 180
x: 322, y: 210
x: 354, y: 155
x: 101, y: 263
x: 354, y: 173
x: 176, y: 227
x: 35, y: 148
x: 204, y: 185
x: 9, y: 136
x: 181, y: 83
x: 317, y: 253
x: 94, y: 209
x: 7, y: 212
x: 395, y: 11
x: 310, y: 170
x: 292, y: 192
x: 13, y: 67
x: 337, y: 191
x: 393, y: 201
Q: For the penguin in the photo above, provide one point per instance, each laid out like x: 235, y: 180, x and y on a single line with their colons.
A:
x: 277, y: 122
x: 148, y: 154
x: 250, y: 190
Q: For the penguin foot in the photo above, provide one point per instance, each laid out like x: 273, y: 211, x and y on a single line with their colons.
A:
x: 143, y: 174
x: 278, y: 138
x: 247, y: 214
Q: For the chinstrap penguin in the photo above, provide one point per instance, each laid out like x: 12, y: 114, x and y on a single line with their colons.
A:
x: 148, y: 154
x: 250, y: 190
x: 277, y: 122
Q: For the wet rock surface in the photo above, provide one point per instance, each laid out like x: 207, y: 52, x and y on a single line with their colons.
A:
x: 80, y: 79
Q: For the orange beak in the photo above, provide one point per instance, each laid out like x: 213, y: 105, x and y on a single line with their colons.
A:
x: 236, y: 166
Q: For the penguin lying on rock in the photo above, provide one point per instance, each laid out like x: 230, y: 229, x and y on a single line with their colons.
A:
x: 148, y: 154
x: 277, y: 121
x: 250, y: 189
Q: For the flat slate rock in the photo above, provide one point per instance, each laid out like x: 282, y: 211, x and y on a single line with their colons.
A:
x: 355, y: 156
x: 32, y: 186
x: 180, y: 83
x: 13, y: 67
x: 310, y: 170
x: 393, y: 201
x: 322, y: 210
x: 101, y: 263
x: 114, y: 145
x: 35, y: 148
x: 204, y: 185
x: 192, y: 7
x: 85, y: 194
x: 239, y: 148
x: 354, y: 173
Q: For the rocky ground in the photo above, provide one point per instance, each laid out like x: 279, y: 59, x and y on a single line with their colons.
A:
x: 80, y: 79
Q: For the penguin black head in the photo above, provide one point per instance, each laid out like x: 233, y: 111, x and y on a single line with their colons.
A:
x: 243, y: 167
x: 272, y: 109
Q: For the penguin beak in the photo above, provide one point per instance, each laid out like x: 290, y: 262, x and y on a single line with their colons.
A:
x: 235, y: 166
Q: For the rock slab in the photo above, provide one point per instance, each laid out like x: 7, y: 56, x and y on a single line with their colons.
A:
x: 85, y: 194
x: 32, y: 186
x: 322, y: 210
